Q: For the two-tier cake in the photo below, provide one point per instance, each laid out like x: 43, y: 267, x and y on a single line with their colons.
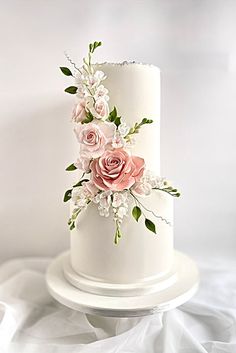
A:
x: 121, y: 210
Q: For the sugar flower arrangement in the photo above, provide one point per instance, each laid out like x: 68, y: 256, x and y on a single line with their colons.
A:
x: 111, y: 177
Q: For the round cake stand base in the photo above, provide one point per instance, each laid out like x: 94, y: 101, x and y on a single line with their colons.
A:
x: 109, y: 306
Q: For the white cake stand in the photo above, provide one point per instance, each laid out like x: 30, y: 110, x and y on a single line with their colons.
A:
x: 109, y: 306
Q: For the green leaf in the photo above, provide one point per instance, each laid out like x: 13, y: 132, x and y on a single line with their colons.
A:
x: 88, y: 119
x: 71, y: 90
x: 67, y: 195
x: 66, y: 71
x: 113, y: 115
x: 117, y: 120
x: 136, y: 213
x: 80, y: 183
x: 150, y: 225
x: 71, y: 167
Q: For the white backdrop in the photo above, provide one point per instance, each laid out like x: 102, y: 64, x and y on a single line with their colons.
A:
x: 193, y: 42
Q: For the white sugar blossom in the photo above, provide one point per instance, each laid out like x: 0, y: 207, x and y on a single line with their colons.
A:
x: 120, y: 198
x: 78, y: 197
x: 154, y: 181
x: 82, y: 194
x: 93, y: 81
x: 161, y: 183
x: 123, y: 129
x: 103, y: 200
x: 148, y: 181
x: 121, y: 212
x: 120, y: 205
x: 101, y: 92
x: 79, y: 79
x: 117, y: 201
x: 104, y: 212
x: 81, y: 91
x: 99, y: 75
x: 118, y: 141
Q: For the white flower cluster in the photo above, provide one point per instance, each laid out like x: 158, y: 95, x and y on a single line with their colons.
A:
x: 148, y: 182
x: 82, y: 195
x: 92, y: 95
x: 120, y: 205
x: 103, y: 200
x: 117, y: 201
x: 119, y: 137
x: 154, y: 180
x: 78, y: 197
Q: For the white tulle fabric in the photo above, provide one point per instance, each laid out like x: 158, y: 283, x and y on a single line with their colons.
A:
x: 32, y: 322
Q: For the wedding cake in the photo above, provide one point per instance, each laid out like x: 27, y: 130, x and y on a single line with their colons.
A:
x: 121, y: 219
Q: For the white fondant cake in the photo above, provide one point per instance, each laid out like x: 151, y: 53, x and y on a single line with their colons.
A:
x: 141, y: 257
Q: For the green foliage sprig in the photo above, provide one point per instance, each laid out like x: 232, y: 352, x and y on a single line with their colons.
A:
x: 72, y: 219
x: 135, y: 129
x: 137, y: 213
x: 87, y: 66
x: 171, y: 191
x: 93, y: 46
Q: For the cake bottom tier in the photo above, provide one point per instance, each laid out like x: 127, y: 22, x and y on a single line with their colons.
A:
x: 147, y: 286
x: 140, y: 256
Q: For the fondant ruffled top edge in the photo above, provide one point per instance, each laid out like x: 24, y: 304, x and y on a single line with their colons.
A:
x: 127, y: 63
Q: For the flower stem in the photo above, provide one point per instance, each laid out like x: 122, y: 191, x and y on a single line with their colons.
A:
x: 145, y: 208
x: 72, y: 63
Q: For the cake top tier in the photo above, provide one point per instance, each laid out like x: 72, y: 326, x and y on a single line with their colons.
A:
x: 118, y: 148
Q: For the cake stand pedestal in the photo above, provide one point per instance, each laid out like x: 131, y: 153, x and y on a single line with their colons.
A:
x: 130, y: 306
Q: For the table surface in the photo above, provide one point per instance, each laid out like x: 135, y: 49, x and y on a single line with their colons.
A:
x: 31, y: 321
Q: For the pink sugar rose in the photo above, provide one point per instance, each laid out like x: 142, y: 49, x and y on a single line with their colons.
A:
x: 100, y: 109
x: 79, y: 112
x: 116, y: 170
x: 93, y: 138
